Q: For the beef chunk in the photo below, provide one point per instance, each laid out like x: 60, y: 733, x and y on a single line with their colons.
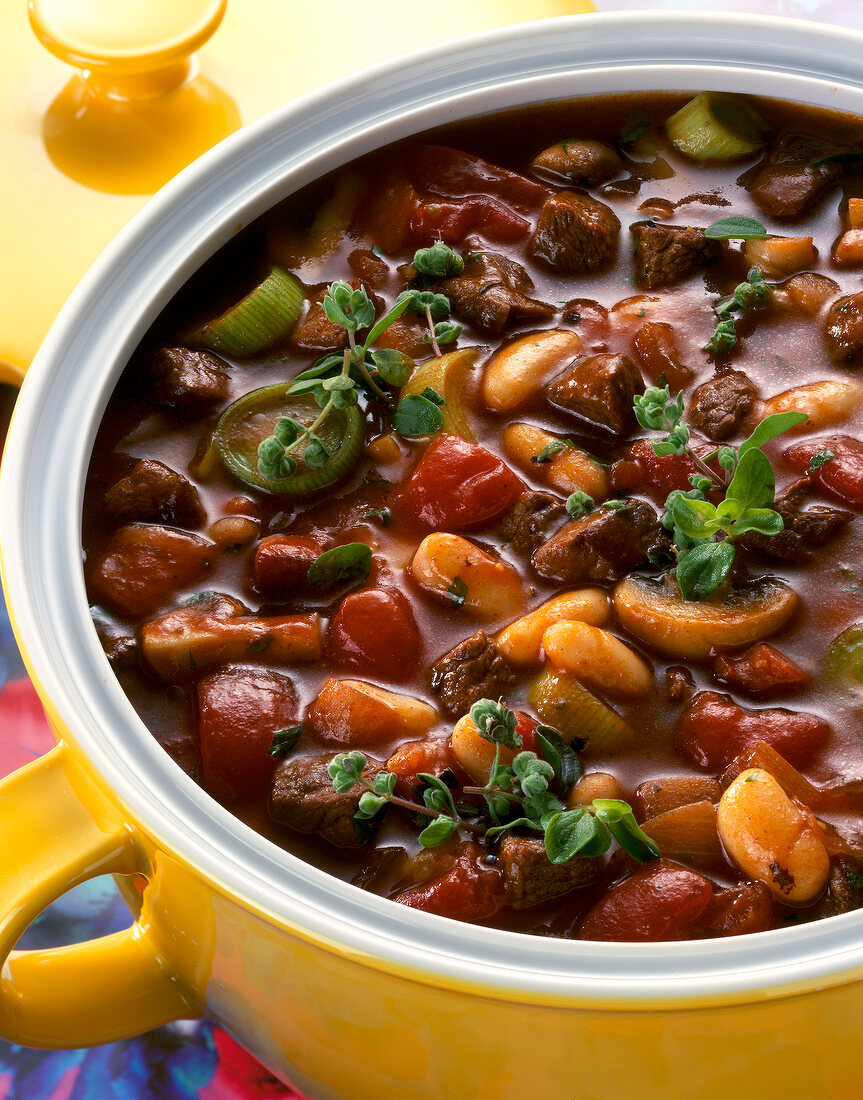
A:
x: 531, y: 521
x: 576, y: 233
x: 804, y: 531
x: 142, y: 567
x: 667, y: 254
x: 492, y: 291
x: 531, y: 878
x: 316, y: 332
x: 602, y: 546
x: 303, y: 798
x: 843, y: 332
x: 373, y: 271
x: 786, y: 185
x: 599, y: 391
x: 154, y: 493
x: 190, y: 383
x: 473, y: 670
x: 717, y: 407
x: 845, y: 886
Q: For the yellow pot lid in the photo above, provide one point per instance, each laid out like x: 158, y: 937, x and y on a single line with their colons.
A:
x: 82, y: 151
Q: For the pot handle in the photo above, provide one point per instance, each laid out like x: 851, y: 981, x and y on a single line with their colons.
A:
x: 92, y: 992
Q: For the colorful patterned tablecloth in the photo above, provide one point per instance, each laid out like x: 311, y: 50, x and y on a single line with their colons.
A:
x: 188, y: 1060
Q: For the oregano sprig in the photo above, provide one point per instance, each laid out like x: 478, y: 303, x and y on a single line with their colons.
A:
x: 746, y: 297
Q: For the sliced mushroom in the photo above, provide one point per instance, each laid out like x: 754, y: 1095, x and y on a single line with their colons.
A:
x: 655, y: 612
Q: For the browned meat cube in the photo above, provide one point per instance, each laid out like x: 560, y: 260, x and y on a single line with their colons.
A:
x: 491, y: 292
x: 717, y: 406
x: 473, y: 670
x: 373, y: 271
x: 531, y: 878
x: 531, y: 521
x: 843, y: 332
x: 656, y: 348
x: 191, y: 383
x: 667, y: 254
x: 576, y: 234
x: 602, y: 546
x: 845, y: 886
x: 303, y: 798
x: 787, y: 184
x: 599, y: 391
x: 238, y: 712
x: 804, y: 531
x: 143, y: 567
x: 154, y: 493
x: 316, y: 332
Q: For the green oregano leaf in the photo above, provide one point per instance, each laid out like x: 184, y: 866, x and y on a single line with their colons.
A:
x: 819, y: 459
x: 458, y: 591
x: 578, y: 504
x: 416, y: 416
x: 736, y: 228
x: 561, y: 755
x: 703, y: 568
x: 346, y: 564
x: 285, y: 740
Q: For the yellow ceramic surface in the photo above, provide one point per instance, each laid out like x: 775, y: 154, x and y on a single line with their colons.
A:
x: 79, y: 163
x: 344, y: 994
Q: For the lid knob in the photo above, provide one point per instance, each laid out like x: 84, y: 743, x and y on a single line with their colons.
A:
x: 131, y: 49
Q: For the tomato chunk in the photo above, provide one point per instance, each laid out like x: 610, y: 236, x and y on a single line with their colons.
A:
x: 238, y: 711
x: 660, y: 901
x: 645, y: 471
x: 841, y: 475
x: 468, y: 891
x: 714, y: 730
x: 281, y: 563
x: 439, y: 170
x: 451, y: 222
x: 738, y: 911
x: 761, y: 672
x: 433, y: 756
x: 457, y: 485
x: 375, y: 632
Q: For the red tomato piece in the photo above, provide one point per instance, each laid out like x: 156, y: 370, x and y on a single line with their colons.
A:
x: 660, y: 901
x: 645, y: 471
x: 526, y: 728
x: 375, y: 632
x: 738, y: 910
x: 432, y: 756
x: 432, y: 220
x: 841, y: 475
x: 439, y: 170
x: 468, y: 891
x: 384, y: 216
x: 762, y: 672
x: 238, y: 711
x: 281, y: 564
x: 715, y: 730
x: 457, y: 485
x: 144, y: 566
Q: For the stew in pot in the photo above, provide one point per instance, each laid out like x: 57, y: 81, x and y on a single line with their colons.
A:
x: 482, y: 527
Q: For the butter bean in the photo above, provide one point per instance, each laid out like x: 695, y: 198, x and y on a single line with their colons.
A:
x: 597, y: 659
x: 521, y: 641
x: 567, y: 471
x: 516, y: 372
x: 492, y: 589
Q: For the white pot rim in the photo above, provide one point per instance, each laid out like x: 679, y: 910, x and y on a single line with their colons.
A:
x: 59, y: 409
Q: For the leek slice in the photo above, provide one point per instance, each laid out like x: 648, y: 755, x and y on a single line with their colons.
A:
x: 257, y: 321
x: 252, y: 418
x: 447, y: 374
x: 715, y: 127
x: 566, y: 705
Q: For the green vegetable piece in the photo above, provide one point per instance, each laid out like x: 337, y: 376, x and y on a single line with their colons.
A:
x: 843, y: 662
x: 575, y: 832
x: 458, y: 591
x: 346, y: 564
x: 285, y: 740
x: 416, y: 416
x: 254, y: 420
x: 579, y: 503
x: 716, y: 127
x: 263, y: 317
x: 620, y: 821
x: 561, y: 755
x: 736, y: 228
x: 634, y: 127
x: 819, y: 459
x: 703, y: 568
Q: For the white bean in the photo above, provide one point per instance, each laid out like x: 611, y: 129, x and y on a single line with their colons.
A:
x: 521, y: 641
x: 516, y: 372
x: 568, y: 470
x: 772, y: 838
x: 828, y: 402
x: 449, y: 567
x: 597, y: 659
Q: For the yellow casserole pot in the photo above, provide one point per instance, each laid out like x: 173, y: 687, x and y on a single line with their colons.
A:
x: 342, y: 993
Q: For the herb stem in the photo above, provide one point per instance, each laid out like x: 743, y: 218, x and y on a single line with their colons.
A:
x: 705, y: 469
x: 432, y: 336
